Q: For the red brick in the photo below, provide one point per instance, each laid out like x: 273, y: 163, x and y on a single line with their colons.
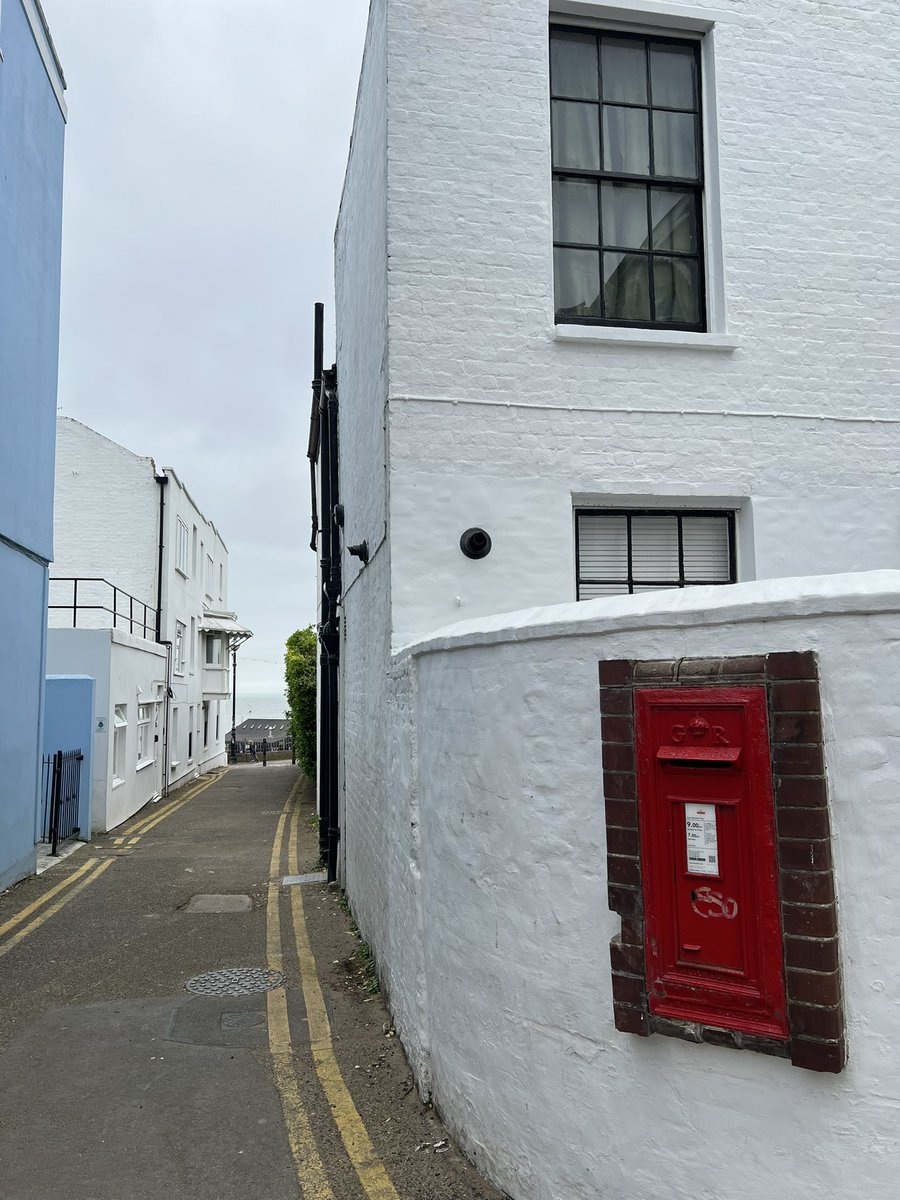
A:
x: 618, y: 756
x: 797, y: 727
x: 811, y: 954
x: 807, y: 887
x: 754, y: 664
x: 631, y: 1020
x: 618, y: 786
x: 794, y: 697
x: 628, y: 989
x: 805, y: 855
x: 616, y: 702
x: 622, y: 841
x: 798, y: 760
x: 615, y: 672
x: 803, y: 822
x: 627, y: 902
x: 818, y: 1056
x: 621, y: 813
x: 632, y: 931
x: 807, y: 1020
x: 626, y: 959
x: 809, y: 987
x: 658, y: 671
x: 617, y: 729
x: 801, y: 793
x: 625, y: 871
x: 700, y: 668
x: 809, y: 921
x: 792, y: 664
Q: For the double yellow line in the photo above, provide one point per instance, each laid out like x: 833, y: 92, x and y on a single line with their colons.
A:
x: 308, y: 1164
x: 67, y: 889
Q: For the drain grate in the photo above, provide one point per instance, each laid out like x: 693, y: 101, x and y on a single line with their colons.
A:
x: 235, y: 981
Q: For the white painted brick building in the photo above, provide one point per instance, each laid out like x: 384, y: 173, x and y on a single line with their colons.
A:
x: 469, y: 398
x: 138, y: 600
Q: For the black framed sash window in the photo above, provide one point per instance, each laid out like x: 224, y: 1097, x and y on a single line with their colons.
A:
x: 643, y: 550
x: 627, y: 180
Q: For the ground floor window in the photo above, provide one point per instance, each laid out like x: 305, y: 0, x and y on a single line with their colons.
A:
x: 205, y: 723
x: 120, y: 730
x: 145, y: 749
x: 643, y: 550
x: 190, y: 733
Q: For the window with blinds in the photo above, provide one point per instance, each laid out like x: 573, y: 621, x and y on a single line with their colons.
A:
x: 636, y: 550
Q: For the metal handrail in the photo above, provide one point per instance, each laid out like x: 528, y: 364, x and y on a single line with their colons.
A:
x: 139, y: 614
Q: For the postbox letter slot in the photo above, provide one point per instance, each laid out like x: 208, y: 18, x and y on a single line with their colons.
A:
x: 700, y: 756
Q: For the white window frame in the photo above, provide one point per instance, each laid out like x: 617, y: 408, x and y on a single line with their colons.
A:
x: 680, y: 20
x: 210, y: 575
x: 179, y: 648
x: 213, y: 639
x: 181, y: 547
x: 146, y: 749
x: 120, y: 743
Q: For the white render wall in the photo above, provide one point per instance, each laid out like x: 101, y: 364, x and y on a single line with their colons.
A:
x: 527, y: 1068
x: 127, y: 671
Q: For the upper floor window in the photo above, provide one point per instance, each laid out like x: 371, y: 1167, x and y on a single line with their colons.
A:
x: 179, y: 650
x: 627, y: 180
x: 181, y: 546
x: 643, y: 550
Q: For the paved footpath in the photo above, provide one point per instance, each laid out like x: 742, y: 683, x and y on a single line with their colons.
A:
x: 117, y: 1082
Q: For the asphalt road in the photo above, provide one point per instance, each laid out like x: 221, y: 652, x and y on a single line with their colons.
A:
x: 119, y: 1083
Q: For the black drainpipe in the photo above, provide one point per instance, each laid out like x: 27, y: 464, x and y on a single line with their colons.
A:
x: 323, y: 448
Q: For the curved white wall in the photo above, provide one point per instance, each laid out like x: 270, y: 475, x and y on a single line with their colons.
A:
x: 526, y: 1065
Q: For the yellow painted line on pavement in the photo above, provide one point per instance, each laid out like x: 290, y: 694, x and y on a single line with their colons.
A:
x: 118, y: 841
x: 150, y: 822
x: 48, y: 895
x: 89, y: 877
x: 371, y: 1171
x: 308, y: 1165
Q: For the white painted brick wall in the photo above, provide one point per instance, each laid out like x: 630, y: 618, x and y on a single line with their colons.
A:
x: 444, y: 294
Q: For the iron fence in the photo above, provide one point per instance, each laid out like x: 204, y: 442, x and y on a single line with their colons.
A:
x: 60, y: 792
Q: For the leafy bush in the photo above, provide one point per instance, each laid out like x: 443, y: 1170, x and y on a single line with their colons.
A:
x: 300, y: 656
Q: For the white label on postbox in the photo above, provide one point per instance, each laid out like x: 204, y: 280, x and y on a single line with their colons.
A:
x: 700, y: 837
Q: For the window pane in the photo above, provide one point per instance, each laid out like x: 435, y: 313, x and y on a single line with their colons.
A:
x: 676, y: 289
x: 624, y: 214
x: 602, y: 549
x: 575, y: 211
x: 675, y: 145
x: 626, y: 287
x: 590, y: 591
x: 672, y: 76
x: 623, y: 68
x: 577, y: 283
x: 674, y: 219
x: 576, y: 137
x: 654, y: 548
x: 573, y: 65
x: 626, y: 142
x: 706, y: 550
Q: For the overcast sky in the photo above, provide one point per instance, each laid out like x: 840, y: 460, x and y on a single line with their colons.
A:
x: 205, y: 152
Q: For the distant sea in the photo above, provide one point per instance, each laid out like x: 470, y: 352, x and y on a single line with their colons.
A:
x: 260, y: 705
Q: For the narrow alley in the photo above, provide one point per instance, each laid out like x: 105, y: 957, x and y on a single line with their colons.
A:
x: 180, y: 1017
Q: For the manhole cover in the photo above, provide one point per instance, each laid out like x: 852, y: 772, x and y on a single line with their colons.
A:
x: 235, y: 981
x: 243, y: 1020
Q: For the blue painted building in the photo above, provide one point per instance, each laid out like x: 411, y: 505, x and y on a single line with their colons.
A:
x: 32, y: 127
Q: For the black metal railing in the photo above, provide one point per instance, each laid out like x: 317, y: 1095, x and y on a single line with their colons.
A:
x: 87, y: 595
x: 61, y: 791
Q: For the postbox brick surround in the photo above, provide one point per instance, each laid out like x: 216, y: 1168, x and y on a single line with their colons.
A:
x: 816, y: 1038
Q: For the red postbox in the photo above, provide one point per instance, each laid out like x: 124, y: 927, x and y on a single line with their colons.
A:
x: 708, y: 862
